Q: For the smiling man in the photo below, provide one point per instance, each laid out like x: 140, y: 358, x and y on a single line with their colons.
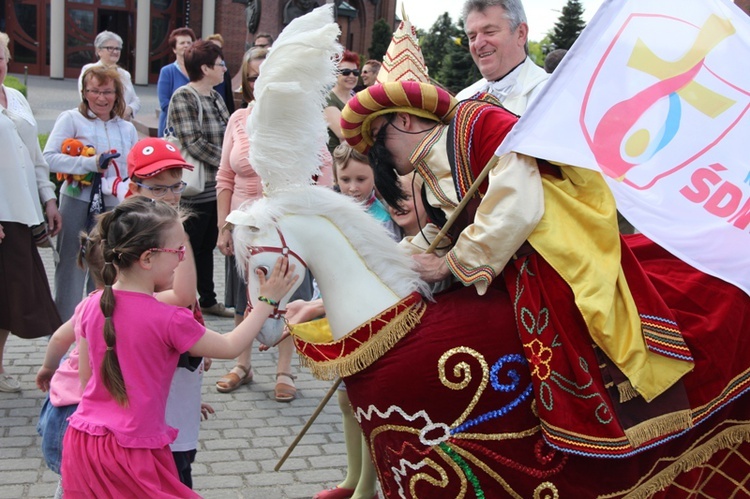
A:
x: 498, y: 33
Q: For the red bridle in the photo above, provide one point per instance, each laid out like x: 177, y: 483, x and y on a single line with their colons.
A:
x: 284, y: 250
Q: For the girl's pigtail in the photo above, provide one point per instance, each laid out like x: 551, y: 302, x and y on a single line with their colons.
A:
x: 110, y: 371
x: 90, y: 255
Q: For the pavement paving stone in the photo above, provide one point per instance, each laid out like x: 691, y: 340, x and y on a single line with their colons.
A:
x: 13, y: 491
x: 239, y: 445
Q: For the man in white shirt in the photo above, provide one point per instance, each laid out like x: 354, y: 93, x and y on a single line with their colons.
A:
x: 498, y: 35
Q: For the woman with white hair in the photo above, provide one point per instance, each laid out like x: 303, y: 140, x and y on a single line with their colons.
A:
x: 108, y: 47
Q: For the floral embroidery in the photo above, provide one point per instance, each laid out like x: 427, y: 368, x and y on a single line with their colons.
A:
x: 539, y: 359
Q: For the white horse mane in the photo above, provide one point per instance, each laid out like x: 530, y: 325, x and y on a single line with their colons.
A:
x: 368, y: 237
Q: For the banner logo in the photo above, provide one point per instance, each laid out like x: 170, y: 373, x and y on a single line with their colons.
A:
x: 678, y: 103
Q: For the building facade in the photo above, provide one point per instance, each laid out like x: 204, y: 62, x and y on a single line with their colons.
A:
x: 55, y: 37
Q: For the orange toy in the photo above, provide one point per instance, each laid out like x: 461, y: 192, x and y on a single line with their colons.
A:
x: 74, y: 147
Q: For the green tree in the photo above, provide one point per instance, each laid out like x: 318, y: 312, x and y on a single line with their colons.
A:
x: 569, y: 25
x: 539, y: 50
x: 437, y: 43
x: 381, y: 38
x: 457, y: 70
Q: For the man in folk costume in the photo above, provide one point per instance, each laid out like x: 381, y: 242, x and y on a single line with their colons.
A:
x: 452, y: 404
x: 551, y: 231
x: 498, y: 42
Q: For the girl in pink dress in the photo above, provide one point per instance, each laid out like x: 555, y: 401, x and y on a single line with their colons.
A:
x: 117, y: 442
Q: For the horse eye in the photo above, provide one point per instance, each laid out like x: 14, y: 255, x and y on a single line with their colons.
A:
x: 264, y: 269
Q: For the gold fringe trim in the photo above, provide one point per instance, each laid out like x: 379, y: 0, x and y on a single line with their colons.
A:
x: 370, y: 351
x: 627, y: 392
x: 731, y: 437
x: 658, y: 427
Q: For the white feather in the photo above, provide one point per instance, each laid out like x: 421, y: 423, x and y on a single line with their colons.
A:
x: 287, y: 129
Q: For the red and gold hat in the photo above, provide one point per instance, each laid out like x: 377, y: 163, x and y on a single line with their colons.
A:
x: 413, y: 97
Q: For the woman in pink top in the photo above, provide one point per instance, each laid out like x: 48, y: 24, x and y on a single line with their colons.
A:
x: 117, y: 441
x: 237, y: 182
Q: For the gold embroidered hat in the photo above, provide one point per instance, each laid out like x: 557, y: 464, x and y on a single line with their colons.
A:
x: 413, y: 97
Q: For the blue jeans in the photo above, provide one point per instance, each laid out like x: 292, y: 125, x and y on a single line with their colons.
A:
x: 53, y: 421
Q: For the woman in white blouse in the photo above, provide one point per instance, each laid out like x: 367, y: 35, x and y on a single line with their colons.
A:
x: 26, y: 306
x: 108, y: 47
x: 97, y: 121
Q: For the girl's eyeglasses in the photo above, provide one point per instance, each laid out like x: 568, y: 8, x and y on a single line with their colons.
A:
x: 159, y: 191
x: 347, y: 72
x: 180, y: 252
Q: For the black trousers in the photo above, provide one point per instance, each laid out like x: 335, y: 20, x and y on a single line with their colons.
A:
x: 183, y: 460
x: 202, y: 231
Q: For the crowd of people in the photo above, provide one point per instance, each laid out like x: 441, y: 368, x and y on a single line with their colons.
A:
x: 136, y: 257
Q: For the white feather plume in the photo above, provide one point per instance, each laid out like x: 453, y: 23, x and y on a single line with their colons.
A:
x: 287, y: 129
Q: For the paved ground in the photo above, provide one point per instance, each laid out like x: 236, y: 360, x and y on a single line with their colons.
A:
x: 239, y: 446
x: 49, y: 97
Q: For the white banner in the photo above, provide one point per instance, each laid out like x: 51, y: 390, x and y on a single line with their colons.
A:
x: 655, y: 95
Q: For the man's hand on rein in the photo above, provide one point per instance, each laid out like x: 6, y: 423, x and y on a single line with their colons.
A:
x: 431, y: 268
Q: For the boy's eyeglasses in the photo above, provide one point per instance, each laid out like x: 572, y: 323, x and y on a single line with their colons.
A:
x: 180, y: 252
x: 222, y: 64
x: 347, y: 72
x: 159, y: 191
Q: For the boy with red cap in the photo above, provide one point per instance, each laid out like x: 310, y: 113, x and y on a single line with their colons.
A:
x: 156, y: 167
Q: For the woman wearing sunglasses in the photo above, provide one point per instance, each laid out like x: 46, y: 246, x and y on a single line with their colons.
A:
x: 342, y: 91
x: 236, y: 183
x: 108, y: 47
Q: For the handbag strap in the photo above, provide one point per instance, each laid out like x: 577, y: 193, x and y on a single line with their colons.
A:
x: 200, y: 108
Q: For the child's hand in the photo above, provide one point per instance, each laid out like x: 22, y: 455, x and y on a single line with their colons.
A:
x: 300, y: 311
x: 205, y: 411
x: 43, y: 377
x: 2, y: 234
x: 207, y: 361
x: 280, y: 281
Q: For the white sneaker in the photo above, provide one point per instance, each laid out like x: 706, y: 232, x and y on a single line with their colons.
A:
x: 9, y: 384
x: 218, y: 309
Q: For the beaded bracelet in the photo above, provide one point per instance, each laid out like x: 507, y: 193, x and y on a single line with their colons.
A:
x: 271, y: 302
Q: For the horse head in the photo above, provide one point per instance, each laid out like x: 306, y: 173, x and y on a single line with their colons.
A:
x: 258, y: 243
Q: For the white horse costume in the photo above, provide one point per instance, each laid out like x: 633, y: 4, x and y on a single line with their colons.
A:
x: 443, y: 390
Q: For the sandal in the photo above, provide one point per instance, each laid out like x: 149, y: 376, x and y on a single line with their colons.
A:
x: 232, y: 380
x: 285, y: 392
